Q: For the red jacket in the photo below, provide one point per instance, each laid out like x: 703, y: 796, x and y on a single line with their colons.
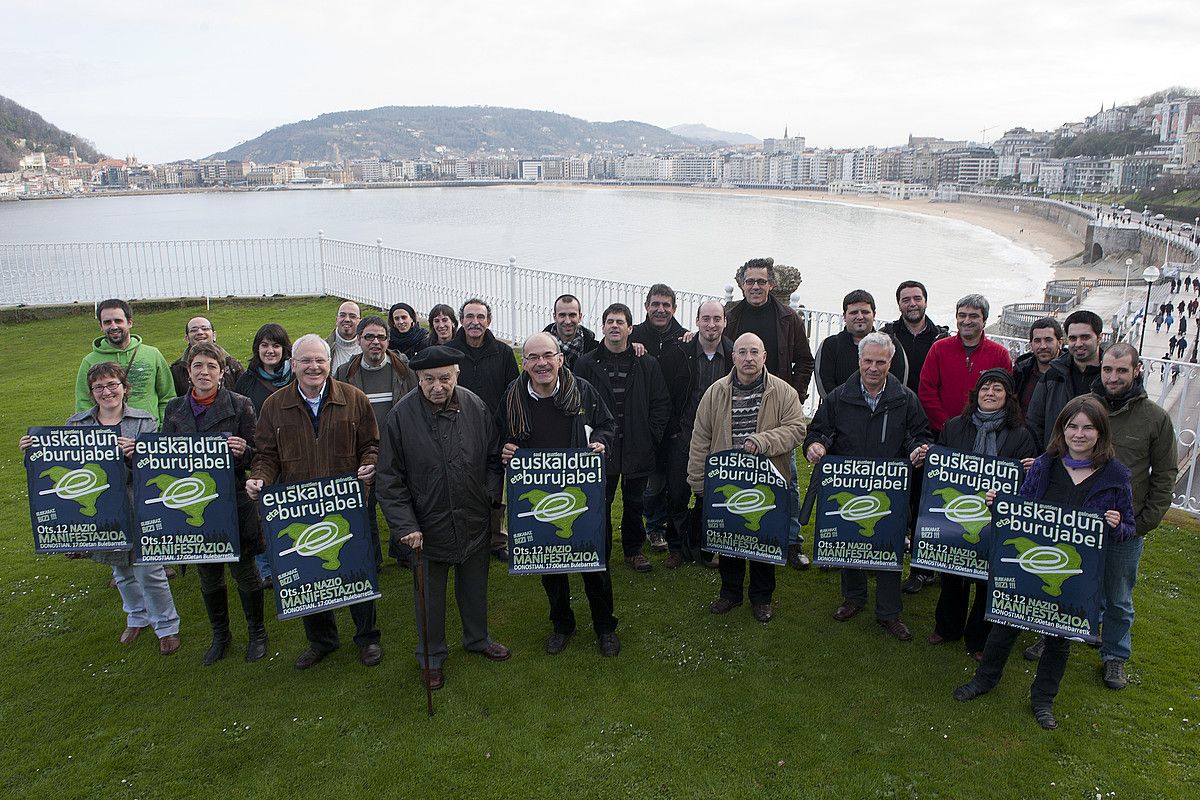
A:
x: 949, y: 376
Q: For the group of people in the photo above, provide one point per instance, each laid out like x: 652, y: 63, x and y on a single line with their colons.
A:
x: 427, y: 419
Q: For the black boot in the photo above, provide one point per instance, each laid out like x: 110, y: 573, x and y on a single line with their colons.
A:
x: 252, y: 605
x: 217, y: 605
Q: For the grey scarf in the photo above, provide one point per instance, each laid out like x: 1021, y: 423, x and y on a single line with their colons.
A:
x: 986, y: 424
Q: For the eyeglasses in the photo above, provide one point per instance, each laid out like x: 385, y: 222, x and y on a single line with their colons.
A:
x: 755, y: 282
x: 539, y: 356
x: 199, y: 328
x: 311, y: 360
x: 106, y: 388
x: 375, y: 337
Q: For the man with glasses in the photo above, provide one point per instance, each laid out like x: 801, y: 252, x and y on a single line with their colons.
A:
x: 837, y: 357
x: 197, y: 330
x: 343, y: 341
x: 384, y: 377
x: 789, y: 358
x: 319, y: 427
x: 150, y: 383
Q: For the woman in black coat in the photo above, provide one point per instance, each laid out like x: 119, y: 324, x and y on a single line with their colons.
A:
x: 992, y: 425
x: 208, y: 408
x: 406, y: 335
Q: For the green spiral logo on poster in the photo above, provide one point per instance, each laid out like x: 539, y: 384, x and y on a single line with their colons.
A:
x: 190, y: 494
x: 864, y: 510
x: 1053, y: 564
x: 968, y: 510
x: 559, y: 509
x: 83, y: 485
x: 750, y: 504
x: 321, y: 540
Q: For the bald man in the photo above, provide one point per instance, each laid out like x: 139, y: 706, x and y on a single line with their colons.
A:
x: 343, y: 341
x: 197, y: 330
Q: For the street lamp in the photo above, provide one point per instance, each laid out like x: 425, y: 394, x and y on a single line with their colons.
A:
x: 1125, y: 291
x: 1149, y: 275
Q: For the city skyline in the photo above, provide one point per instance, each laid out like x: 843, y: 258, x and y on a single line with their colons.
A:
x: 864, y: 74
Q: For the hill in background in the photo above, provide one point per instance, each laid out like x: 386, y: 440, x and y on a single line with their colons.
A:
x: 704, y: 133
x: 23, y: 132
x: 400, y: 132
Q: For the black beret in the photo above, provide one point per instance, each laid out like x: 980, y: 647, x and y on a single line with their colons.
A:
x: 1000, y: 376
x: 436, y: 356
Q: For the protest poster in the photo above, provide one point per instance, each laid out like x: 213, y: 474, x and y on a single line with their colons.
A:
x: 745, y: 507
x: 557, y: 512
x: 953, y: 533
x: 184, y: 499
x: 862, y: 512
x: 77, y: 497
x: 319, y: 544
x: 1046, y: 568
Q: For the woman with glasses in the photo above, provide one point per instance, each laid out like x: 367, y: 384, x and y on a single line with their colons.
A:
x: 145, y: 594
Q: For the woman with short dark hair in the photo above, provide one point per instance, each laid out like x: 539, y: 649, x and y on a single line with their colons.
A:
x: 443, y: 324
x: 405, y: 334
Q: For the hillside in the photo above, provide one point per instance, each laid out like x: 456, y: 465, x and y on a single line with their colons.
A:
x: 397, y: 132
x: 704, y: 133
x: 23, y: 132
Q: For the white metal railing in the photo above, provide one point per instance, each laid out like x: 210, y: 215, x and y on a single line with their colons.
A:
x: 522, y: 298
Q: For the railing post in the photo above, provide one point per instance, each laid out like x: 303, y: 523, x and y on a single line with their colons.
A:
x: 794, y: 301
x: 512, y: 297
x: 728, y: 293
x: 379, y: 261
x: 321, y: 258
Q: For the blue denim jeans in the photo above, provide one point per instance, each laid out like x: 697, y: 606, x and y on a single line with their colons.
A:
x: 654, y: 501
x: 1116, y: 603
x: 794, y: 536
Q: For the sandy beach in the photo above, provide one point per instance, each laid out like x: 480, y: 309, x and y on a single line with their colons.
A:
x: 1038, y: 235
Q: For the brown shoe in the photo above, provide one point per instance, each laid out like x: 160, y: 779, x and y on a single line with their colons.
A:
x: 129, y: 635
x: 674, y: 560
x: 167, y: 645
x: 370, y: 655
x: 896, y: 628
x: 712, y: 563
x: 762, y: 611
x: 433, y: 678
x: 496, y: 652
x: 723, y: 605
x: 170, y: 572
x: 935, y: 638
x: 310, y: 657
x: 846, y: 611
x: 638, y: 563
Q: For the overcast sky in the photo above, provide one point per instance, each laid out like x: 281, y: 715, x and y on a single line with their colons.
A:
x: 165, y: 81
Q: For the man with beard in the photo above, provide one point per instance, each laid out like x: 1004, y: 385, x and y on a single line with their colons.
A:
x: 488, y: 367
x: 343, y: 340
x: 1045, y: 343
x: 1069, y: 375
x: 197, y: 330
x: 384, y: 377
x: 573, y: 338
x: 914, y: 332
x: 150, y: 384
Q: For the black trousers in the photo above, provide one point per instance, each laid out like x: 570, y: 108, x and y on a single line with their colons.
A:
x: 679, y: 494
x: 244, y: 572
x: 888, y: 602
x: 633, y: 530
x: 957, y: 617
x: 597, y: 586
x: 321, y: 628
x: 1050, y: 668
x: 733, y: 577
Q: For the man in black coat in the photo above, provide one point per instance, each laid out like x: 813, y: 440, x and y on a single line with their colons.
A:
x: 488, y: 368
x: 915, y: 332
x: 1045, y: 344
x: 689, y: 369
x: 1069, y: 375
x: 573, y: 338
x: 837, y: 357
x: 634, y: 391
x: 548, y: 408
x: 438, y: 477
x: 872, y: 415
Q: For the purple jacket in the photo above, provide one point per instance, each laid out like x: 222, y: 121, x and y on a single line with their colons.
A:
x: 1111, y: 490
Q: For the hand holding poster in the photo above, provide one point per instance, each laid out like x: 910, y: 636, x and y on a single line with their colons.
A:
x: 556, y: 512
x: 77, y: 497
x: 185, y: 501
x: 745, y: 507
x: 319, y: 544
x: 862, y: 513
x: 954, y: 525
x: 1047, y: 565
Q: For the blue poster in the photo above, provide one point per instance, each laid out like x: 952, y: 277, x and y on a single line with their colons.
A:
x: 1047, y: 568
x: 954, y: 524
x: 557, y: 512
x: 77, y: 497
x: 862, y: 513
x: 745, y: 507
x: 184, y: 499
x: 319, y: 544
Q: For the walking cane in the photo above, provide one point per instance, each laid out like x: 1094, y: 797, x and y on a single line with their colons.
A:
x: 419, y: 571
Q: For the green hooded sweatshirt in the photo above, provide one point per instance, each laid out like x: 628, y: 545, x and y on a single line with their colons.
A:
x: 150, y: 382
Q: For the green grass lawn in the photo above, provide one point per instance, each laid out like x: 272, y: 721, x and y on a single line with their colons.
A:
x: 695, y: 706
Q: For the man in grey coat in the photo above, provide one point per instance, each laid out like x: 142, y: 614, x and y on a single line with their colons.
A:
x: 438, y: 476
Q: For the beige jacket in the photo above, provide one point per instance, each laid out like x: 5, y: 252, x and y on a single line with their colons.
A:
x: 780, y: 429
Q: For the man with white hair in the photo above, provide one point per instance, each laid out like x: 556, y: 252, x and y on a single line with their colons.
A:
x: 323, y: 428
x: 871, y: 415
